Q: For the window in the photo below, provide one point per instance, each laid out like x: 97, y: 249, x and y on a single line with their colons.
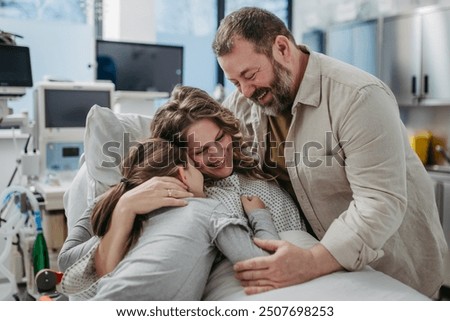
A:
x: 278, y: 7
x: 59, y: 36
x: 192, y: 24
x: 68, y: 10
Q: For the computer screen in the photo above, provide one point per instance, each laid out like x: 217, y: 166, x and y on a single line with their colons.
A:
x: 69, y: 108
x: 140, y: 67
x: 15, y: 69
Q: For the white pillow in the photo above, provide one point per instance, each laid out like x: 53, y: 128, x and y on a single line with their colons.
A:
x: 107, y: 136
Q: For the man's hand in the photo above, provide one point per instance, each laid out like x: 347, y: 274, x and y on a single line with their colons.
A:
x: 288, y: 265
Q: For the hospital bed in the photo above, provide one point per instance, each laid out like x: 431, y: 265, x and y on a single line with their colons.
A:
x: 108, y: 134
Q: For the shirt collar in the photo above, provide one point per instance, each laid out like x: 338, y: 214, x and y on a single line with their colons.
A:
x: 310, y: 87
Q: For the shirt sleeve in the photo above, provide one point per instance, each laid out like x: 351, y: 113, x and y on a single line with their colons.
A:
x: 262, y: 224
x: 234, y: 239
x: 78, y: 242
x: 375, y: 167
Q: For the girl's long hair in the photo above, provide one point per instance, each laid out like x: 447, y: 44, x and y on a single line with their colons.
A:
x: 186, y: 106
x: 150, y: 158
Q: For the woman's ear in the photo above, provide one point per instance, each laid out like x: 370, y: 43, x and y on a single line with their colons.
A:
x: 182, y: 175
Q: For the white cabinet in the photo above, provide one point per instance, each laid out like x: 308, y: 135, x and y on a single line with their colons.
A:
x: 415, y: 56
x: 436, y: 54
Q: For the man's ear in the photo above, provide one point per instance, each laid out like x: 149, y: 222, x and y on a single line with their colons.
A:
x: 281, y: 49
x: 182, y: 175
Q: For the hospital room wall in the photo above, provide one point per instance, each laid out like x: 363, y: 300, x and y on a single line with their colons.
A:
x: 65, y: 51
x: 60, y: 50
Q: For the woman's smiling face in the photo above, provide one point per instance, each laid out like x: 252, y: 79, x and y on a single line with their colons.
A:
x: 210, y: 148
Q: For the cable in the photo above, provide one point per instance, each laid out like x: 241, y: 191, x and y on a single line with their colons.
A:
x: 25, y: 149
x: 22, y: 254
x: 18, y: 161
x: 14, y: 174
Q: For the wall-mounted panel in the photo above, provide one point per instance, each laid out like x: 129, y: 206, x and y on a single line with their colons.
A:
x: 355, y: 43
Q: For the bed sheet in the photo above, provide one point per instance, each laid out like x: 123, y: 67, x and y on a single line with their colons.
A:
x: 363, y: 285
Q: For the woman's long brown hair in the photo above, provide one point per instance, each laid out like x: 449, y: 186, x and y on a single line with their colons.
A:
x: 150, y: 158
x: 188, y: 105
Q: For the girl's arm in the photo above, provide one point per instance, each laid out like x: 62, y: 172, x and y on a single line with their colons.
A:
x: 143, y: 199
x: 111, y: 249
x: 262, y: 225
x: 259, y: 217
x: 236, y: 243
x: 235, y: 240
x: 79, y: 241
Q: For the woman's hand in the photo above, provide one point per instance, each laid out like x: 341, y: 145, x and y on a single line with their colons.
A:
x: 155, y: 193
x: 251, y: 203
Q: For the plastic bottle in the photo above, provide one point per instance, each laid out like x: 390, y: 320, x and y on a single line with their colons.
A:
x: 40, y: 251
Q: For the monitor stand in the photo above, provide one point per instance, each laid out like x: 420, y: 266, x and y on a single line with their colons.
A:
x: 13, y: 120
x: 137, y: 102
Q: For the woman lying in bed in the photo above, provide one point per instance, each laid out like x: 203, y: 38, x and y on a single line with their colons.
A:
x: 167, y: 254
x: 240, y: 176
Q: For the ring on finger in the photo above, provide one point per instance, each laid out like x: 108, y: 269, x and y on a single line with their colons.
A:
x: 169, y: 192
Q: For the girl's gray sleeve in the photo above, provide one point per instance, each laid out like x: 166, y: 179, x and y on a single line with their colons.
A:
x: 79, y: 241
x: 262, y: 225
x: 235, y: 240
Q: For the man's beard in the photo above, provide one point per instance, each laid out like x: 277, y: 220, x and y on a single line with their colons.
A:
x: 281, y: 87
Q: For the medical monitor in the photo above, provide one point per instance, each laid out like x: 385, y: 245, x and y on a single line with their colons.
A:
x: 61, y: 109
x: 15, y: 70
x: 65, y: 108
x: 139, y: 66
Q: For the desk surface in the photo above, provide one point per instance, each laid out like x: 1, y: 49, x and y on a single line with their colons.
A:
x: 53, y: 194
